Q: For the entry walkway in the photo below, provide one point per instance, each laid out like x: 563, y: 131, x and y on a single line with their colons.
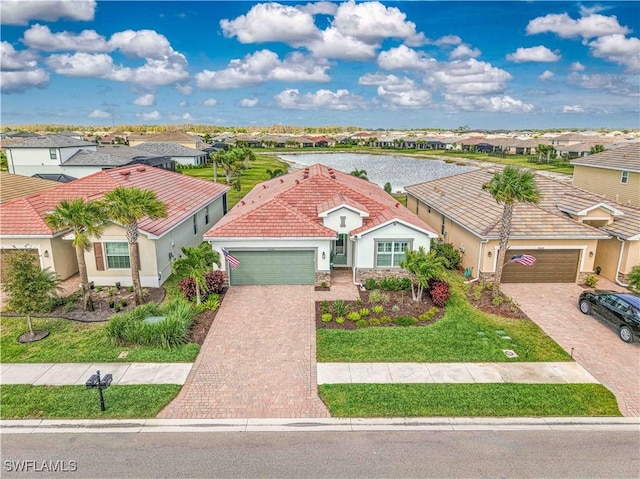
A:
x: 67, y: 374
x: 382, y: 373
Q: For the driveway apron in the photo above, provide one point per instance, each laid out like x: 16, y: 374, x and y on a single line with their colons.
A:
x: 258, y: 360
x: 595, y: 346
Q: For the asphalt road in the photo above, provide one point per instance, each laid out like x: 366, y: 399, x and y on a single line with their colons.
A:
x: 387, y: 454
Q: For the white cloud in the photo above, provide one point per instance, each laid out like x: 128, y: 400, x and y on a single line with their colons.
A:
x: 187, y: 117
x: 373, y: 22
x: 404, y: 58
x: 144, y: 44
x: 464, y: 51
x: 99, y: 65
x: 618, y: 49
x: 154, y: 115
x: 272, y: 22
x: 183, y: 103
x: 99, y: 114
x: 572, y: 109
x: 546, y: 75
x: 448, y: 40
x: 586, y: 27
x: 20, y: 12
x: 577, y: 67
x: 248, y: 102
x: 470, y: 77
x: 334, y: 44
x: 145, y: 100
x: 495, y: 104
x: 616, y: 84
x: 184, y: 89
x: 396, y: 91
x: 534, y: 54
x: 20, y: 81
x: 323, y: 8
x: 322, y: 99
x: 262, y: 66
x: 40, y: 37
x: 210, y: 102
x: 14, y: 60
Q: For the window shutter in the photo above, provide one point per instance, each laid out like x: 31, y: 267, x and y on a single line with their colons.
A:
x: 97, y: 248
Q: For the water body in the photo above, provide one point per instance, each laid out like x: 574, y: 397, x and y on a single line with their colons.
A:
x: 400, y: 171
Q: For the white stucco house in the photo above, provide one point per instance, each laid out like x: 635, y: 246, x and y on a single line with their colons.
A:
x: 182, y: 155
x: 295, y: 228
x: 193, y: 206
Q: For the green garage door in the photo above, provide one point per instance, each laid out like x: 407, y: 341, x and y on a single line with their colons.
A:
x: 273, y: 267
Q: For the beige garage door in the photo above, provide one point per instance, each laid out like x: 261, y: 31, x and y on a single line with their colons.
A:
x: 551, y: 266
x: 5, y: 253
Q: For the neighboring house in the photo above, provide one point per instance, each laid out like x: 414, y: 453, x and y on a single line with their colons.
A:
x: 294, y: 228
x: 569, y: 232
x: 613, y: 174
x: 16, y: 186
x: 177, y: 137
x: 182, y: 155
x: 86, y: 162
x: 193, y: 206
x: 44, y: 154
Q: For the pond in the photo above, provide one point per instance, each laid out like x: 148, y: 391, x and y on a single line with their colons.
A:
x: 400, y: 171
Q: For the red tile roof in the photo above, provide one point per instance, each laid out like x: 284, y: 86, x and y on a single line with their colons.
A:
x: 182, y: 194
x: 288, y: 206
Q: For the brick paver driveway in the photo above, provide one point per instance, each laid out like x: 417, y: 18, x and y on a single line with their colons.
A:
x: 258, y: 359
x: 596, y: 347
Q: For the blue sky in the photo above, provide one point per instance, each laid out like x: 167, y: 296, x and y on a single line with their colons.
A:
x: 512, y: 65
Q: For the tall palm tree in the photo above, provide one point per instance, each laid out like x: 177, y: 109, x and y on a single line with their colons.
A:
x: 362, y: 174
x: 127, y: 206
x: 510, y: 186
x: 85, y: 219
x: 195, y: 263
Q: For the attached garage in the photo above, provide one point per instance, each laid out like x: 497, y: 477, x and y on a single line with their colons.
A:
x: 273, y: 267
x: 551, y: 266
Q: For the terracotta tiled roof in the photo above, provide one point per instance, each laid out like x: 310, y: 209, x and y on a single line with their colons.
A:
x: 338, y: 200
x: 182, y: 194
x: 288, y: 206
x: 625, y: 157
x: 461, y: 198
x: 15, y: 186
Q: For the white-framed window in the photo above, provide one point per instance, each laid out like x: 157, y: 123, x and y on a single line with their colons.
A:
x: 117, y: 255
x: 53, y: 154
x: 624, y: 177
x: 390, y: 253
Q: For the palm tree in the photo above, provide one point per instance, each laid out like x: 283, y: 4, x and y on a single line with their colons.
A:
x: 274, y: 173
x: 195, y: 263
x: 422, y: 267
x: 362, y: 174
x: 510, y: 186
x: 127, y: 206
x: 84, y: 219
x: 247, y: 155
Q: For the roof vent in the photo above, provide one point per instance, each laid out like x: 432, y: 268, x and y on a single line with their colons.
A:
x: 281, y: 180
x: 397, y: 205
x: 264, y: 186
x: 141, y: 169
x: 125, y: 173
x: 242, y: 203
x: 297, y: 182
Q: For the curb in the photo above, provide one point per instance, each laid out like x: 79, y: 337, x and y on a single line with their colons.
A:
x: 40, y: 426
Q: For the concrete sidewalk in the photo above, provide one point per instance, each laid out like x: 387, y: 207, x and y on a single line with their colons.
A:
x: 63, y: 374
x: 382, y: 373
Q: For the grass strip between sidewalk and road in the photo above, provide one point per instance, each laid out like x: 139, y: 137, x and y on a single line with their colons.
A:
x: 21, y: 401
x: 468, y: 400
x: 75, y: 342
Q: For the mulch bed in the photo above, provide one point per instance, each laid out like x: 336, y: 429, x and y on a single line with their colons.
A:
x: 402, y: 299
x: 202, y: 323
x: 485, y: 302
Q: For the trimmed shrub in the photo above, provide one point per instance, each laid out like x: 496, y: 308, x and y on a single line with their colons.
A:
x: 212, y: 303
x: 327, y: 317
x: 497, y: 301
x: 374, y: 322
x: 215, y: 285
x: 324, y: 306
x: 354, y: 316
x: 340, y: 320
x: 440, y: 293
x: 361, y: 323
x: 378, y: 297
x: 591, y: 281
x: 188, y: 288
x: 405, y: 321
x: 395, y: 308
x: 339, y: 307
x: 395, y: 284
x: 215, y: 282
x: 371, y: 284
x: 428, y: 315
x: 451, y: 254
x: 385, y: 319
x: 378, y: 309
x: 364, y: 312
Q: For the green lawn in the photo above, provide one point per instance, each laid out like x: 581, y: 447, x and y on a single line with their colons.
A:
x: 250, y: 178
x: 67, y: 402
x: 468, y: 400
x: 464, y: 334
x: 74, y: 342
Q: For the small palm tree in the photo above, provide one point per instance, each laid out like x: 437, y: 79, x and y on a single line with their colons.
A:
x: 195, y: 263
x: 422, y: 267
x: 85, y: 219
x: 127, y: 206
x: 510, y: 186
x: 362, y: 174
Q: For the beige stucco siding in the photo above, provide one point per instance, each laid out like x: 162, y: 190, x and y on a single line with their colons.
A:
x: 61, y: 254
x: 606, y: 182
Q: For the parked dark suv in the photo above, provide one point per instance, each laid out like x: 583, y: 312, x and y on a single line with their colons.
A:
x: 621, y: 310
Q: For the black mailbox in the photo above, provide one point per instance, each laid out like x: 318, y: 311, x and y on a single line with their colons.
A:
x: 96, y: 382
x: 92, y: 382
